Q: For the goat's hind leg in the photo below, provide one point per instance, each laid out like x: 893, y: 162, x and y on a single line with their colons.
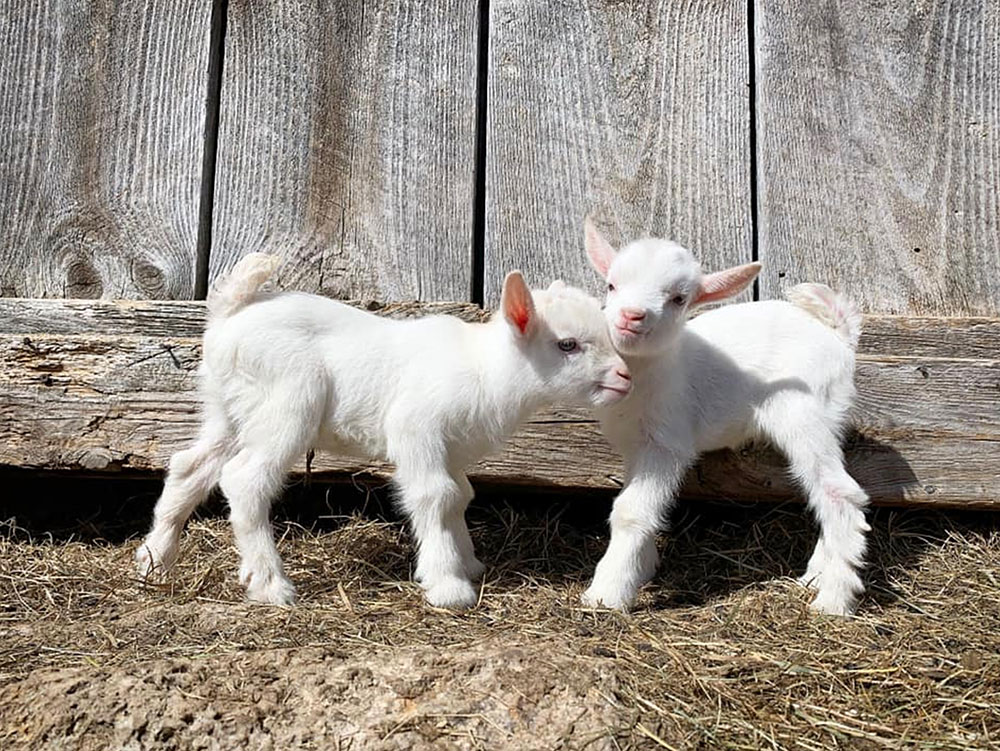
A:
x: 280, y: 431
x: 474, y: 568
x: 250, y: 480
x: 837, y: 502
x: 190, y: 478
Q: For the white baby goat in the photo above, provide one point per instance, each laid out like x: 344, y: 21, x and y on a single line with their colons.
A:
x: 776, y: 371
x: 283, y: 373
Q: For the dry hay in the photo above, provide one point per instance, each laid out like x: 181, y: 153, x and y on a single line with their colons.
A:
x: 722, y: 652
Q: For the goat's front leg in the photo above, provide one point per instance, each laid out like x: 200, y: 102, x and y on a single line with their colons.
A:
x: 474, y: 568
x: 638, y: 513
x: 434, y: 503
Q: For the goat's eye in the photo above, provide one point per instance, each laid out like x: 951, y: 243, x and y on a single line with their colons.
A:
x: 611, y: 288
x: 678, y: 300
x: 568, y: 345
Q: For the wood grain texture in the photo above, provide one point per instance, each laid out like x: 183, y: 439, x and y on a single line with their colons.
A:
x: 347, y: 145
x: 930, y: 336
x: 180, y: 319
x: 635, y: 112
x: 101, y: 134
x: 890, y: 336
x: 901, y: 397
x: 85, y: 399
x: 878, y: 148
x: 944, y: 472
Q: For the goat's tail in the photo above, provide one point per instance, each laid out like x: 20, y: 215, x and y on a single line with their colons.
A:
x: 240, y: 286
x: 835, y: 310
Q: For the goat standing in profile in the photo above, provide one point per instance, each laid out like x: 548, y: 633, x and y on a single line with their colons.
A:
x: 283, y: 373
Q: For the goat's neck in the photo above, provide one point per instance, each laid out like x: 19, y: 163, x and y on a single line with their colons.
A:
x: 511, y: 387
x: 656, y: 367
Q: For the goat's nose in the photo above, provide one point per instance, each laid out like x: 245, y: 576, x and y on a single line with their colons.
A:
x: 623, y: 373
x: 633, y: 314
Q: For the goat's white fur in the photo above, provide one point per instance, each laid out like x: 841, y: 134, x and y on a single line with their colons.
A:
x: 777, y: 371
x: 283, y: 373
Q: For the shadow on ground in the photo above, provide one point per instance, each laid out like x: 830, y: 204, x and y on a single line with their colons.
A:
x: 713, y: 549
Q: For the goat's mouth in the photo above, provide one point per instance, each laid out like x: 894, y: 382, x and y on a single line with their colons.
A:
x: 608, y: 393
x: 619, y: 389
x: 629, y: 334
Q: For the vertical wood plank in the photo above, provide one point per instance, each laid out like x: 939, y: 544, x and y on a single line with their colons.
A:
x: 636, y: 112
x: 101, y: 134
x: 347, y: 145
x: 879, y: 151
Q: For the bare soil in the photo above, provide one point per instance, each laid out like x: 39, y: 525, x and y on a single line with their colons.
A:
x: 490, y: 695
x: 722, y: 652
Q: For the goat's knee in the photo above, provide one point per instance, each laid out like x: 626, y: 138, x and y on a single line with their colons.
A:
x: 642, y: 523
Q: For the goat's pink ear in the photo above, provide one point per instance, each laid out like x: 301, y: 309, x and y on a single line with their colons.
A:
x: 599, y: 250
x: 516, y: 303
x: 723, y: 284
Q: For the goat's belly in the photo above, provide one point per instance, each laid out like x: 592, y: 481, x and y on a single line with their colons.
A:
x: 359, y: 444
x: 725, y: 437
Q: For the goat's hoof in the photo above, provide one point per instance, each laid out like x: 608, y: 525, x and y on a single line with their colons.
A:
x: 452, y: 593
x: 269, y: 588
x: 151, y: 567
x: 828, y: 604
x: 601, y: 597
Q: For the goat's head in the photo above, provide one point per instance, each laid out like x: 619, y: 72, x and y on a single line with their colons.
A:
x: 562, y: 334
x: 652, y: 286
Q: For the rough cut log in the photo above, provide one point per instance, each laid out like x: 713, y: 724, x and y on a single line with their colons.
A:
x: 110, y: 387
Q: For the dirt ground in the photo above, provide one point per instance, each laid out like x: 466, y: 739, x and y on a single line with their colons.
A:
x: 722, y: 652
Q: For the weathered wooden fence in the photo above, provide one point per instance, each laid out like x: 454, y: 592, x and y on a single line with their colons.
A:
x: 415, y: 150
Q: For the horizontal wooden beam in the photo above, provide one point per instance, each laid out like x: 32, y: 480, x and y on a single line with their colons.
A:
x: 110, y: 387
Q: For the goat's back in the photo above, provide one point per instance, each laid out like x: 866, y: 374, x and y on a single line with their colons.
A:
x: 774, y: 338
x: 373, y: 372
